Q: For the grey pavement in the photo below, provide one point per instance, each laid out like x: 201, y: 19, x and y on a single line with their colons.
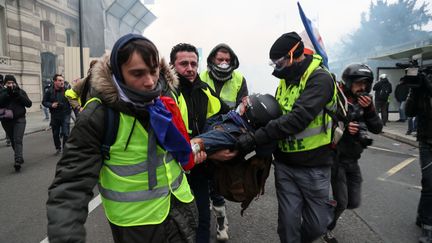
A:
x: 394, y: 130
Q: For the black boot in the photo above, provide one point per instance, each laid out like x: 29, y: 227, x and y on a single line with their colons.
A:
x: 17, y: 167
x: 426, y: 236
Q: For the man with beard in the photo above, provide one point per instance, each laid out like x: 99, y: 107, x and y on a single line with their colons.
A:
x: 197, y: 102
x: 346, y: 176
x: 304, y: 155
x: 60, y: 109
x: 231, y: 87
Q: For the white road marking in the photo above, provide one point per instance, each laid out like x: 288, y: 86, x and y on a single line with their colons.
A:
x: 91, y: 206
x: 391, y: 151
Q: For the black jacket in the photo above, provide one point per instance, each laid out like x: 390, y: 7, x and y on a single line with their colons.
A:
x: 317, y: 93
x: 382, y: 89
x: 349, y: 147
x: 50, y: 96
x: 15, y: 100
x: 196, y: 101
x: 418, y: 105
x: 401, y: 92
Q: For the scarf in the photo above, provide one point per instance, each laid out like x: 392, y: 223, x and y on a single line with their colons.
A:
x: 220, y: 74
x: 161, y: 122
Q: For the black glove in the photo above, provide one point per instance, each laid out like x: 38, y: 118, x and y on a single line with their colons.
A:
x: 246, y: 142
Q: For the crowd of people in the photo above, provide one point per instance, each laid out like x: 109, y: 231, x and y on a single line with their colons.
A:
x: 160, y: 140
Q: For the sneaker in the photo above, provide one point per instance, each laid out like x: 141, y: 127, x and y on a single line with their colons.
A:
x: 426, y: 236
x: 222, y: 223
x: 8, y: 142
x: 408, y: 133
x: 329, y: 237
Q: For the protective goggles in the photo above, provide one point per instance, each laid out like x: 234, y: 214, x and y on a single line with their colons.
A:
x: 280, y: 63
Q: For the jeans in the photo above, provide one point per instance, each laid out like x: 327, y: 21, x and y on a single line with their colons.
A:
x: 15, y: 131
x: 46, y: 112
x: 304, y: 211
x: 412, y: 124
x: 346, y: 183
x: 402, y: 115
x: 60, y: 124
x: 424, y: 207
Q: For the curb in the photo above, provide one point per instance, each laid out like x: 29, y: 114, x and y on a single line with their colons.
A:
x: 401, y: 139
x: 31, y: 132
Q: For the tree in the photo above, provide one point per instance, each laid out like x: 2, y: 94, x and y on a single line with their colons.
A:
x: 388, y: 25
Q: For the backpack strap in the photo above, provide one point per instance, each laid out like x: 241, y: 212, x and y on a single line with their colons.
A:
x: 111, y: 121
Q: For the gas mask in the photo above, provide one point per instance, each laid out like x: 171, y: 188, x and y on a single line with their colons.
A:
x: 288, y: 73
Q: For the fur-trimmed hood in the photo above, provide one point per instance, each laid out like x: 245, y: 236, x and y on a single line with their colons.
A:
x: 103, y: 87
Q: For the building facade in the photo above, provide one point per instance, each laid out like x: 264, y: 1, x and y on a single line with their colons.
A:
x: 33, y: 36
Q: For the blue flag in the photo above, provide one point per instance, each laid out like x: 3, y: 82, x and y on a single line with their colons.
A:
x: 314, y: 39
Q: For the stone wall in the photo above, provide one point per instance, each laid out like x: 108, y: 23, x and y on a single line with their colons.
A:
x: 24, y: 43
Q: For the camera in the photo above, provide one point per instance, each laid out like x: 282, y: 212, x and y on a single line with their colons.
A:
x: 415, y: 75
x: 356, y: 114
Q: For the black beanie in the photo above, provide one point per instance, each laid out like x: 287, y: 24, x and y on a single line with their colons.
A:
x: 283, y: 45
x: 9, y: 77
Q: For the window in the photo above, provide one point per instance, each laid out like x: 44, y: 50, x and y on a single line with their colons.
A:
x: 3, y: 39
x: 47, y: 31
x: 70, y: 37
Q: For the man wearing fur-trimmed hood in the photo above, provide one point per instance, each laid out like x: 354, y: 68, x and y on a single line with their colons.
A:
x: 222, y: 77
x: 144, y: 190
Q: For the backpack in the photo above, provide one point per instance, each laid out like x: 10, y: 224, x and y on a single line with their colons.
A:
x: 242, y: 180
x: 384, y: 92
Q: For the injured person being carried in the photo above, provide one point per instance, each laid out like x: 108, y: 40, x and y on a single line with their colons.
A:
x: 242, y: 178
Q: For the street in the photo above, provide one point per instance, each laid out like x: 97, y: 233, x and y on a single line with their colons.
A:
x: 391, y: 190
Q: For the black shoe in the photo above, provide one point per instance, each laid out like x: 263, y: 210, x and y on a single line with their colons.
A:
x: 408, y: 133
x: 8, y: 143
x: 17, y: 167
x: 329, y: 237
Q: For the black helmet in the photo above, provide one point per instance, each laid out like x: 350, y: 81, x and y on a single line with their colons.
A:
x: 261, y: 109
x: 356, y: 72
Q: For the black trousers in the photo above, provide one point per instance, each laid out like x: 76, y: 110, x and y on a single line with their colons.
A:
x: 179, y: 226
x: 15, y: 131
x: 382, y: 107
x: 346, y: 183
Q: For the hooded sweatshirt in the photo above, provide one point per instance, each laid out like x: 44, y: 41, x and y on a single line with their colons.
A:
x: 220, y: 76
